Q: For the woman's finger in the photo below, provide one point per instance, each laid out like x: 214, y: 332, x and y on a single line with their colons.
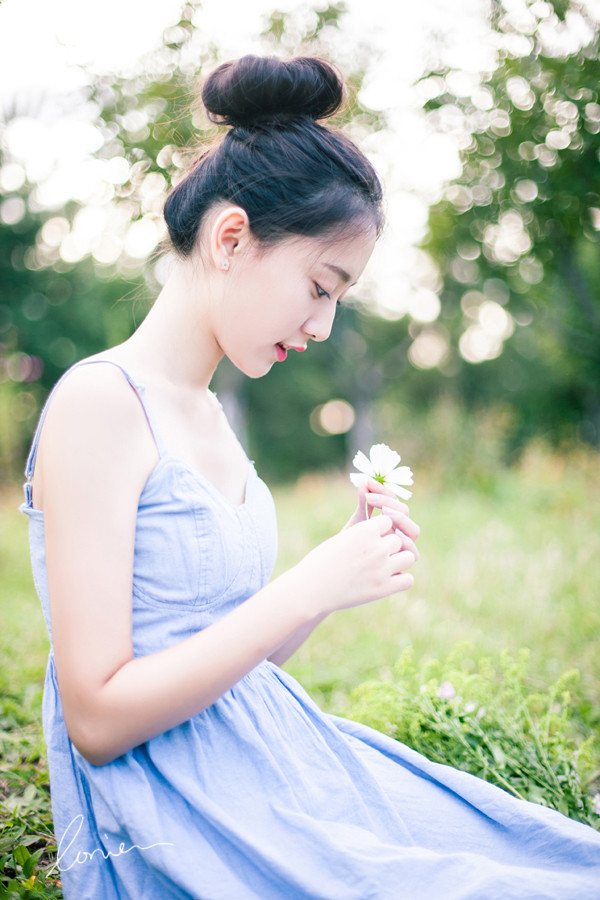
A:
x: 408, y: 544
x: 404, y: 560
x: 401, y: 582
x: 402, y: 522
x: 375, y: 487
x: 392, y: 543
x: 400, y: 562
x: 363, y: 511
x: 377, y: 499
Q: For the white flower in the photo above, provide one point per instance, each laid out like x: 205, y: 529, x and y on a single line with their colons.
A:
x: 382, y: 465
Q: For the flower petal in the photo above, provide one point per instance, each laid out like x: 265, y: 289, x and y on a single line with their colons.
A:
x: 400, y: 491
x: 357, y: 479
x: 401, y: 475
x: 363, y: 464
x: 383, y: 458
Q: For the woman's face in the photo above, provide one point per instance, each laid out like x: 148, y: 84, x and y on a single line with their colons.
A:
x: 280, y: 298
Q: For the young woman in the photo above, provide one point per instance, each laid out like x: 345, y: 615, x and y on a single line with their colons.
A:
x: 184, y: 762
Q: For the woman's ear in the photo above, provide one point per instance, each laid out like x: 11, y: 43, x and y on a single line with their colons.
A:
x: 229, y: 233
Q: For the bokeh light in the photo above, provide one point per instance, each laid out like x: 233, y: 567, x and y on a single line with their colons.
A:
x: 334, y: 417
x: 430, y: 348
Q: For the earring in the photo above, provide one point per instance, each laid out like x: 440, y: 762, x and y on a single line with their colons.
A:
x: 225, y: 265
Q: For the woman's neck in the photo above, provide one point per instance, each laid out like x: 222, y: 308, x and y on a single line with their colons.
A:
x: 176, y: 340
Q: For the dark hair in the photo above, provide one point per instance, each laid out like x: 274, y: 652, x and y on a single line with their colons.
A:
x: 292, y: 175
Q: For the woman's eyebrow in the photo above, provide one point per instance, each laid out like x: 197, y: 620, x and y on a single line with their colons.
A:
x: 339, y: 271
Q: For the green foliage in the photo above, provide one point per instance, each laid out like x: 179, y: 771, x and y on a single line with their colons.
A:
x: 23, y: 636
x: 49, y: 317
x: 484, y: 717
x: 451, y: 443
x: 519, y: 226
x: 27, y: 845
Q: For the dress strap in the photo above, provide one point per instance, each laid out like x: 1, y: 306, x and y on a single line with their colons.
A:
x: 139, y: 390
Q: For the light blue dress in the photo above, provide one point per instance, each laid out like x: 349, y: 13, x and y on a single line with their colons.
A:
x: 262, y: 796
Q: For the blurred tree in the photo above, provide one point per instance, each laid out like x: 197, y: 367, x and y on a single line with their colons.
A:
x: 49, y: 315
x: 516, y: 235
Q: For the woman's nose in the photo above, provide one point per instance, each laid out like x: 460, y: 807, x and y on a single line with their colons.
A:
x: 319, y: 326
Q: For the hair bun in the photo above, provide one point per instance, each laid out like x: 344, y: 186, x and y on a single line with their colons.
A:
x: 258, y: 88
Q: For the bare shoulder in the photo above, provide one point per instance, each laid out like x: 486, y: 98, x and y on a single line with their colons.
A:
x: 97, y: 396
x: 95, y: 424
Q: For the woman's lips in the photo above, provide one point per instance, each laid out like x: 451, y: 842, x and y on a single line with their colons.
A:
x: 282, y: 351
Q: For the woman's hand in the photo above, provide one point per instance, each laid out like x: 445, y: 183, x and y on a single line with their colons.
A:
x: 366, y: 561
x: 373, y: 495
x: 362, y: 563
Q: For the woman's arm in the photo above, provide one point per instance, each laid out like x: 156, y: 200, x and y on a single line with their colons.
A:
x: 95, y: 456
x: 283, y: 653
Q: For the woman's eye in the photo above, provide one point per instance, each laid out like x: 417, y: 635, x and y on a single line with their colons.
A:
x: 321, y: 292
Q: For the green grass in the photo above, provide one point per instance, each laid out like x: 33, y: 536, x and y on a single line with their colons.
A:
x: 26, y: 839
x: 509, y: 562
x: 515, y: 566
x: 23, y: 638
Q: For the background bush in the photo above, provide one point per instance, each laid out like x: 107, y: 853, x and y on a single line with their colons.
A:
x: 486, y: 717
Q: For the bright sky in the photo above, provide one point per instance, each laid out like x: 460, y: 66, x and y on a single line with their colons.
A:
x: 53, y: 46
